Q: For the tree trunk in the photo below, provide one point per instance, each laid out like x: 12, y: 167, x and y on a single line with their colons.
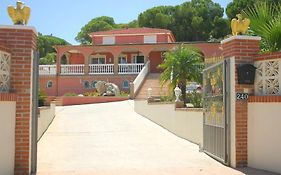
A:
x: 183, y: 90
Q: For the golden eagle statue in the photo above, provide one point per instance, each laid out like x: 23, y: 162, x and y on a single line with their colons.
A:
x: 19, y: 14
x: 239, y: 25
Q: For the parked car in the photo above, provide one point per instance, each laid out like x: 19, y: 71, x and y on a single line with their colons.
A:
x: 193, y: 86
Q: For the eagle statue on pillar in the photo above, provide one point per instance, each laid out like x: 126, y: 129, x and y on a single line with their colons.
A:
x: 239, y: 25
x: 19, y: 14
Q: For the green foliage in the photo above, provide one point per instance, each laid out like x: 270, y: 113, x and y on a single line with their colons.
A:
x: 45, y: 44
x: 133, y: 24
x: 221, y: 26
x: 157, y: 17
x: 182, y: 64
x: 197, y: 20
x: 169, y: 98
x: 237, y: 6
x: 42, y: 97
x: 49, y: 59
x: 266, y: 22
x: 70, y: 94
x: 102, y: 23
x: 124, y: 94
x: 196, y: 99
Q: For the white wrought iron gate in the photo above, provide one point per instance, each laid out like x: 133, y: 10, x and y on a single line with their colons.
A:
x: 216, y: 107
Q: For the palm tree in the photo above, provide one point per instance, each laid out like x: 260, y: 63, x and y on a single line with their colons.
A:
x: 181, y: 64
x: 266, y: 22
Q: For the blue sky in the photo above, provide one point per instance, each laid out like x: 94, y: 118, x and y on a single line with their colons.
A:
x: 64, y: 18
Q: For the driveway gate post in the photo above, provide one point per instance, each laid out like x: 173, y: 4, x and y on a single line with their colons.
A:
x: 241, y: 50
x: 21, y: 40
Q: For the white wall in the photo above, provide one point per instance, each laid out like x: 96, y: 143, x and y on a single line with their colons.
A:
x: 185, y: 124
x: 45, y: 118
x: 264, y: 139
x: 7, y: 137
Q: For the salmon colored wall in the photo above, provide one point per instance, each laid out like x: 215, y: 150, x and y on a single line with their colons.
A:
x: 43, y: 85
x: 74, y: 84
x: 162, y: 38
x: 76, y: 58
x: 97, y: 40
x: 129, y: 39
x: 138, y: 39
x: 155, y: 60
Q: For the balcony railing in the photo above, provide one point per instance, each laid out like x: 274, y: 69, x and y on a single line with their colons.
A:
x: 47, y: 70
x: 94, y: 69
x: 72, y: 69
x: 101, y: 69
x: 130, y: 68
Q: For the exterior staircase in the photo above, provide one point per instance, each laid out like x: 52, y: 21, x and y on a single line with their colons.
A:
x: 152, y: 81
x: 58, y: 101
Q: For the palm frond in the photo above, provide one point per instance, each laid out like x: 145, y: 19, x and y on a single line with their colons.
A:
x: 266, y: 22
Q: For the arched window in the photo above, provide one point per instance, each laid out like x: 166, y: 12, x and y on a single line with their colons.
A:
x: 126, y: 84
x: 86, y: 84
x: 49, y: 84
x: 94, y: 84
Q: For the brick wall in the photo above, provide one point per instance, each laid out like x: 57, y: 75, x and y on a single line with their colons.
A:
x: 268, y: 56
x: 264, y: 99
x: 21, y: 41
x: 3, y: 47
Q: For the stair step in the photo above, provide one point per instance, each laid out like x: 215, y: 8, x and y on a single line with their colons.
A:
x: 152, y: 81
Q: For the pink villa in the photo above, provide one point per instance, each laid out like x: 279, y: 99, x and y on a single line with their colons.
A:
x: 116, y: 56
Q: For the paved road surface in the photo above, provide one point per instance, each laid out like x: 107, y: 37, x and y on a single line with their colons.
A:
x: 111, y: 139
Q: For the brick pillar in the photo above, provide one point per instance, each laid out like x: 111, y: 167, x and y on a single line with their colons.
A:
x: 21, y: 41
x: 242, y: 49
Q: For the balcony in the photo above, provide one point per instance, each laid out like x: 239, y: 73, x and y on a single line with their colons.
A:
x: 94, y: 69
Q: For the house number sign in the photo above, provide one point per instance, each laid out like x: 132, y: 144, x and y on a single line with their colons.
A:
x: 242, y: 96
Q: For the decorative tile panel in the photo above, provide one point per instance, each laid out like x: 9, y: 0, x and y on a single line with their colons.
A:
x: 5, y: 63
x: 268, y: 77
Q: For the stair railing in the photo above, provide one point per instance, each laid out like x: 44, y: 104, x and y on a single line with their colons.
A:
x: 135, y: 86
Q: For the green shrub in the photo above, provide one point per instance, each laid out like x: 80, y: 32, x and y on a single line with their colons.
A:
x: 167, y: 98
x: 42, y: 97
x: 124, y: 94
x: 70, y: 94
x: 195, y: 99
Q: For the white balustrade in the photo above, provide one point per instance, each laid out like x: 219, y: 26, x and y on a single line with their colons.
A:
x: 101, y: 69
x: 72, y: 69
x: 47, y: 69
x: 130, y: 68
x: 268, y: 77
x: 141, y: 77
x: 5, y: 64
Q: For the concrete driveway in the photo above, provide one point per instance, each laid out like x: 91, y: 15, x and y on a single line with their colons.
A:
x: 111, y: 139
